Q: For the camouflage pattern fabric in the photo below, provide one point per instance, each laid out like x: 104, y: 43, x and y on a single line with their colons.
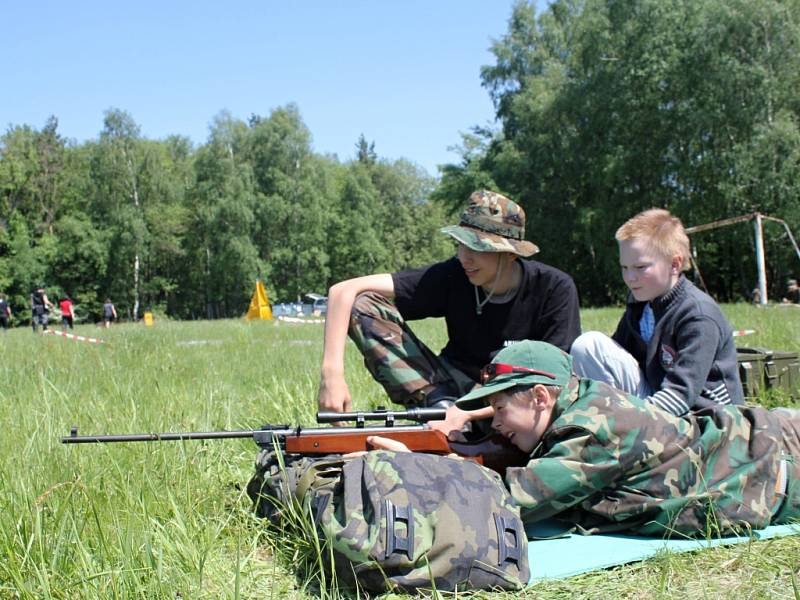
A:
x: 611, y: 462
x: 403, y: 521
x: 492, y: 223
x: 790, y: 423
x: 273, y: 486
x: 406, y: 368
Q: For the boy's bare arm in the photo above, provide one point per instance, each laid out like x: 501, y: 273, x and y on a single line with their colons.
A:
x: 334, y: 394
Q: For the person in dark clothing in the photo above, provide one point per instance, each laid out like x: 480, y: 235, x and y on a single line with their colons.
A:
x: 109, y: 313
x: 488, y: 295
x: 5, y: 313
x: 673, y: 346
x: 40, y: 307
x: 792, y: 292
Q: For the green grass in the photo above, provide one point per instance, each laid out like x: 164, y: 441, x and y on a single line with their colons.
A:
x: 172, y: 520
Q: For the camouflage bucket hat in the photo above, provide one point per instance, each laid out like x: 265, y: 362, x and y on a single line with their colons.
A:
x: 492, y: 223
x: 554, y: 367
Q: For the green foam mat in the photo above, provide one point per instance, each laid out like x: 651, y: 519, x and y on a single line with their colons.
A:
x: 574, y: 554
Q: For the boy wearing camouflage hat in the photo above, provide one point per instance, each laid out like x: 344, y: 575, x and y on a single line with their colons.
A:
x: 608, y: 461
x: 487, y: 295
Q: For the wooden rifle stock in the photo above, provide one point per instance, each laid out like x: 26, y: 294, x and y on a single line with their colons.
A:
x: 494, y: 451
x: 417, y: 440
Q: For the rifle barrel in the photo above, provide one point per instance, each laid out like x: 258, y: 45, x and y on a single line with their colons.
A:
x: 74, y: 438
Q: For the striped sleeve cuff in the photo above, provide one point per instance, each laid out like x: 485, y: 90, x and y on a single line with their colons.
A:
x: 719, y: 394
x: 669, y: 401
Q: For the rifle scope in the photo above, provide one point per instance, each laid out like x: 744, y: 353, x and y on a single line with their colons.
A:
x: 418, y: 415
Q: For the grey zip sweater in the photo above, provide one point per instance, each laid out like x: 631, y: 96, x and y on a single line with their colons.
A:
x: 691, y: 359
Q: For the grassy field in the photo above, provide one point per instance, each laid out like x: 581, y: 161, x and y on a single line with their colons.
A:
x: 171, y: 520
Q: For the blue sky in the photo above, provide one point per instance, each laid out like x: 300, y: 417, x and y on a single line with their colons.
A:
x: 406, y: 74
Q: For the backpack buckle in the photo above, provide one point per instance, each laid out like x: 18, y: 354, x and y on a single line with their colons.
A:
x: 506, y: 553
x: 395, y: 543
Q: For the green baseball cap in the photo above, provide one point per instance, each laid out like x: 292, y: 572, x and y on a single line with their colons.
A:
x: 492, y: 223
x: 523, y: 363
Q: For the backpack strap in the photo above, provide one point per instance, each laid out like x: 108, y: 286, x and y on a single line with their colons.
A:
x: 321, y: 468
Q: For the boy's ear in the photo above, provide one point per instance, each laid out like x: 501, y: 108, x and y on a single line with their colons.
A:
x: 677, y: 264
x: 509, y: 257
x: 541, y: 397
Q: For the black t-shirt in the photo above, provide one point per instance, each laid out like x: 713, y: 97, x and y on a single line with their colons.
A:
x: 3, y: 309
x: 544, y: 308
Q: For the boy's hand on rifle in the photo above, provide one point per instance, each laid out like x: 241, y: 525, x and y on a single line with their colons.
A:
x: 456, y: 419
x: 334, y: 395
x: 376, y: 442
x: 381, y: 443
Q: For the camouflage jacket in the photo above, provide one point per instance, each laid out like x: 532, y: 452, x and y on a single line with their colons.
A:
x: 610, y: 461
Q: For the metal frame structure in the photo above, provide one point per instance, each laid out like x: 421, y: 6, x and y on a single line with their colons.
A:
x: 758, y: 219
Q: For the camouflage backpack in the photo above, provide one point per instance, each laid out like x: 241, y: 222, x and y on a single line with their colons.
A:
x: 403, y: 521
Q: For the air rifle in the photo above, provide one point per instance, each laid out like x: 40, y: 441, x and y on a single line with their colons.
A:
x: 493, y: 451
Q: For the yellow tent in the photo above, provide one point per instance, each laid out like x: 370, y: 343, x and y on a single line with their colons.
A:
x: 259, y: 304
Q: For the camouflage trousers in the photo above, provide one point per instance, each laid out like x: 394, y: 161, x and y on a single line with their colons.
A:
x: 789, y: 510
x: 408, y: 370
x: 39, y: 319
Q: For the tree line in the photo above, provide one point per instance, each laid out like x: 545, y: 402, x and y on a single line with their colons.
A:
x: 609, y: 107
x: 185, y: 231
x: 604, y: 108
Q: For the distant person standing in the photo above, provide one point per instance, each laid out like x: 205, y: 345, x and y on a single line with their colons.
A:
x: 792, y: 292
x: 67, y: 313
x: 5, y: 312
x: 109, y: 313
x: 40, y: 307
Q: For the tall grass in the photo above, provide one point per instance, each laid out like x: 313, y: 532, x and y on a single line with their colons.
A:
x: 167, y: 520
